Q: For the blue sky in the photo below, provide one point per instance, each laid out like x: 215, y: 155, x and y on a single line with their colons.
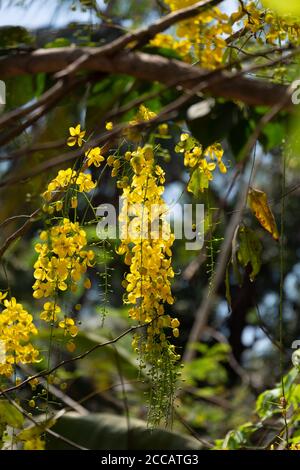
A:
x: 42, y: 13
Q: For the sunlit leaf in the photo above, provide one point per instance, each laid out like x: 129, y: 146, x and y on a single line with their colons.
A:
x: 260, y: 207
x: 10, y: 415
x: 198, y: 182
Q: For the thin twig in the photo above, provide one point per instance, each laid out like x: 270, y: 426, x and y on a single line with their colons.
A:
x: 47, y: 372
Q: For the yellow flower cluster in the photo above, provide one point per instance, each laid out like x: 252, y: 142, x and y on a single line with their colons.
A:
x: 166, y: 41
x: 62, y: 261
x: 274, y: 28
x: 146, y: 242
x: 196, y: 159
x: 115, y: 163
x: 69, y: 326
x: 16, y: 328
x: 66, y: 178
x: 143, y: 114
x: 94, y: 156
x: 205, y: 32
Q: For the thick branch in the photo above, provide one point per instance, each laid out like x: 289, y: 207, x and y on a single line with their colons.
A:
x: 143, y: 66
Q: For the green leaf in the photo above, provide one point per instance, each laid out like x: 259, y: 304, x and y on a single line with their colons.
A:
x: 236, y: 439
x: 198, y: 182
x: 58, y: 42
x: 163, y: 51
x: 249, y: 251
x: 268, y: 402
x: 19, y: 90
x: 10, y: 415
x: 273, y: 135
x: 34, y: 431
x: 101, y: 431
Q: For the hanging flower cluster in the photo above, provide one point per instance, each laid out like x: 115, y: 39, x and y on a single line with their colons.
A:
x: 271, y: 28
x: 202, y: 163
x: 205, y: 33
x: 63, y: 259
x: 146, y: 242
x: 204, y: 36
x: 16, y: 329
x: 63, y: 254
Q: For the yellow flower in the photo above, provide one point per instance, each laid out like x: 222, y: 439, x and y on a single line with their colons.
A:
x: 2, y: 296
x: 94, y: 156
x: 175, y: 323
x: 222, y: 167
x: 58, y: 206
x: 109, y: 126
x: 163, y: 129
x: 63, y: 246
x: 76, y: 136
x: 50, y: 312
x: 74, y: 202
x: 63, y: 179
x: 175, y: 332
x: 71, y: 346
x: 42, y: 289
x: 85, y: 182
x: 69, y: 326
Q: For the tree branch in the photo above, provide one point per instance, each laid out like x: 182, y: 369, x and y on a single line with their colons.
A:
x: 140, y: 37
x: 146, y: 67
